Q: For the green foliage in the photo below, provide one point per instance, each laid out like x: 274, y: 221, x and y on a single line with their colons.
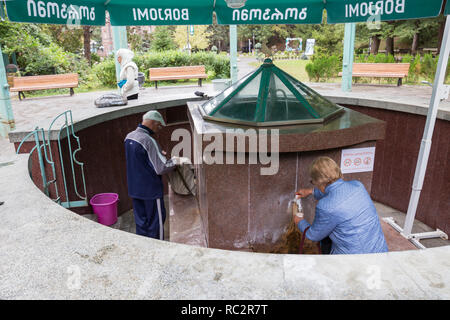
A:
x: 95, y: 58
x: 198, y: 41
x: 162, y: 39
x: 428, y: 66
x: 36, y: 53
x: 329, y: 39
x: 70, y: 40
x: 323, y: 67
x: 379, y: 58
x: 105, y: 72
x: 218, y: 35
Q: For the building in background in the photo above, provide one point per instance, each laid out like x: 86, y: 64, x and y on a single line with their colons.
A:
x: 107, y: 46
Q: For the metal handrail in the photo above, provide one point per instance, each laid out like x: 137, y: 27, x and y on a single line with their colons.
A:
x: 70, y: 132
x: 45, y: 156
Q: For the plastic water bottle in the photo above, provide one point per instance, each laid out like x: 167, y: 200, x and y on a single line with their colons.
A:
x: 298, y: 201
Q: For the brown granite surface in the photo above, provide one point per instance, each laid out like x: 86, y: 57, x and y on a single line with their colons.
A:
x: 348, y: 129
x: 244, y: 210
x: 185, y: 221
x: 395, y: 162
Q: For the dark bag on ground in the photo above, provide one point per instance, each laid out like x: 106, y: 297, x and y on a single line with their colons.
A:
x: 110, y: 100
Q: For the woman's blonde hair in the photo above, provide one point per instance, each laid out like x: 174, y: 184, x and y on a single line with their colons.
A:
x: 324, y: 171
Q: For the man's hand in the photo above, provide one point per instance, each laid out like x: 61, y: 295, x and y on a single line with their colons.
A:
x: 303, y: 193
x: 180, y: 160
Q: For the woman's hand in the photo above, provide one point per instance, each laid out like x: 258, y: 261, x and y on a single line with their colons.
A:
x: 303, y: 193
x: 297, y: 219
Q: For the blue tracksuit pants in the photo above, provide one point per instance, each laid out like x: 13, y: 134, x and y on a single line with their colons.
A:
x: 149, y: 216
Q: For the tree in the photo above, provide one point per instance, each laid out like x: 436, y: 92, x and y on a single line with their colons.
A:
x: 265, y: 34
x: 219, y: 36
x: 198, y: 41
x: 329, y: 39
x: 68, y: 39
x: 87, y: 43
x: 138, y: 38
x: 162, y: 39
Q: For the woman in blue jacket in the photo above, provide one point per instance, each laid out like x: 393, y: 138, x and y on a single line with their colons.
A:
x: 345, y: 213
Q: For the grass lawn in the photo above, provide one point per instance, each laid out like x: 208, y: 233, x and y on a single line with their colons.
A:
x: 296, y: 68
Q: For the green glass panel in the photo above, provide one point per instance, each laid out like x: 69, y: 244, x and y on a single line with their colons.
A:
x: 343, y: 11
x: 242, y: 106
x: 282, y: 105
x: 269, y: 95
x: 223, y: 97
x: 321, y: 105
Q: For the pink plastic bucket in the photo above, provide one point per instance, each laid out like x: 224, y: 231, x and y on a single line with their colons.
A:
x: 105, y: 207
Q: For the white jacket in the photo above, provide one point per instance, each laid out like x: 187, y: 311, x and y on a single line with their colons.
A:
x: 129, y: 72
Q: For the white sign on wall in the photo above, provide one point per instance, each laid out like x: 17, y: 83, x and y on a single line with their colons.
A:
x: 357, y: 160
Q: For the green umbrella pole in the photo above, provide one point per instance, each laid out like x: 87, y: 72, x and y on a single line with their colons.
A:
x: 347, y: 63
x: 233, y: 53
x: 120, y: 41
x: 6, y: 113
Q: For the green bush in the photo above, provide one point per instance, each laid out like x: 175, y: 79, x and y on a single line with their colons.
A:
x: 428, y: 66
x: 323, y: 67
x: 105, y: 72
x: 414, y: 67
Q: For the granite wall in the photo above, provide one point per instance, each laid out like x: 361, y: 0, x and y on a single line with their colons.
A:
x: 395, y: 165
x: 103, y: 155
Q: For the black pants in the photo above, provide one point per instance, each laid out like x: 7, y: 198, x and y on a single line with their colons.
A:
x: 325, y: 245
x: 132, y: 97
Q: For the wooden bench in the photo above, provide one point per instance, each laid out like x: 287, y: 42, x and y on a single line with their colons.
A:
x: 55, y: 81
x: 381, y: 70
x: 177, y: 73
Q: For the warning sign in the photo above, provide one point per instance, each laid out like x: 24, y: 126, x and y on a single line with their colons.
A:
x: 357, y: 160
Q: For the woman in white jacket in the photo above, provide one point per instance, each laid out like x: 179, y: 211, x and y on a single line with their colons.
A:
x: 128, y: 72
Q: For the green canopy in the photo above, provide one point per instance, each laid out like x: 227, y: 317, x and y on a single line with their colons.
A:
x: 271, y: 12
x: 163, y: 12
x: 343, y: 11
x: 70, y: 12
x: 267, y: 97
x: 197, y: 12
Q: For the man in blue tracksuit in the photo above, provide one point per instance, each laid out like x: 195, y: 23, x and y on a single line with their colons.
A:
x: 145, y: 165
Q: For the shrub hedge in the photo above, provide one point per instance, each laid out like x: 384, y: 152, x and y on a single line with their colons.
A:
x: 323, y: 67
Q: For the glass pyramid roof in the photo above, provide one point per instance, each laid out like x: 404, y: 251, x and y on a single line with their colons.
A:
x: 269, y: 97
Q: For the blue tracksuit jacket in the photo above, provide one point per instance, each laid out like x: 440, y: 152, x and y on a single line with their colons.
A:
x: 145, y: 165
